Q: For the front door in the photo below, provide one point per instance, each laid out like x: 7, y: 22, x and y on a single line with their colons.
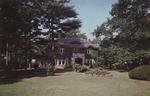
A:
x: 78, y: 60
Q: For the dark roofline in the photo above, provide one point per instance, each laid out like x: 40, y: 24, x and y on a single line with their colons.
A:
x: 84, y: 43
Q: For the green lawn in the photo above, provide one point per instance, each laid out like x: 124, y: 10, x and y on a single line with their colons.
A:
x: 76, y: 84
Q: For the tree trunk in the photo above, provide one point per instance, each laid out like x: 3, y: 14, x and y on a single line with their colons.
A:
x: 7, y: 53
x: 50, y: 50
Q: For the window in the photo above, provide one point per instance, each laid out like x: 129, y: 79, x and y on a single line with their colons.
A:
x: 90, y: 61
x: 75, y: 49
x: 61, y: 50
x: 63, y: 62
x: 59, y: 62
x: 88, y: 51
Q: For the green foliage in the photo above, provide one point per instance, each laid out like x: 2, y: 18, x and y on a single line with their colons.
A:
x: 141, y: 72
x: 100, y: 61
x: 128, y: 42
x: 75, y: 34
x: 57, y: 16
x: 103, y: 31
x: 115, y: 57
x: 22, y: 23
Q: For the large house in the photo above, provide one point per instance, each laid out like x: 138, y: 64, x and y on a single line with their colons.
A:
x: 71, y: 51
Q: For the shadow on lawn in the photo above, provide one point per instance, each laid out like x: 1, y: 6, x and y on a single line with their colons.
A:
x: 10, y: 77
x: 63, y: 70
x: 16, y: 75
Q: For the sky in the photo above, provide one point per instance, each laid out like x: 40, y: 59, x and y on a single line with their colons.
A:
x: 92, y: 13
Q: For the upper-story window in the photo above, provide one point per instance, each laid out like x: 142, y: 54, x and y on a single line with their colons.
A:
x: 88, y: 51
x: 61, y: 50
x: 75, y: 49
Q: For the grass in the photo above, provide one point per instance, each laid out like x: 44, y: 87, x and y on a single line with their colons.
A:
x: 76, y: 84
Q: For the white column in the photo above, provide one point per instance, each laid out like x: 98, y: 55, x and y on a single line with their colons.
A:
x: 72, y: 60
x: 83, y: 61
x: 57, y: 62
x: 65, y: 62
x: 61, y: 62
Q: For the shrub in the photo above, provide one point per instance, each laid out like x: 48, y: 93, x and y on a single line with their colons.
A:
x: 76, y: 66
x: 98, y: 71
x: 141, y: 72
x: 80, y: 68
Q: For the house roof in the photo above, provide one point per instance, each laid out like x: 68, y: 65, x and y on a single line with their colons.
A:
x: 77, y: 43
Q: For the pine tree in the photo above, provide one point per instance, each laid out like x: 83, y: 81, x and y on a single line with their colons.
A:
x: 58, y: 18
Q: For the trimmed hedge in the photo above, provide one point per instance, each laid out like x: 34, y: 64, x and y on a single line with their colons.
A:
x: 140, y: 73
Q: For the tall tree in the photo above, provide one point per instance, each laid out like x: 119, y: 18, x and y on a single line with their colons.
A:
x: 17, y: 31
x: 58, y: 18
x: 10, y: 23
x: 28, y: 26
x: 132, y: 19
x: 130, y: 29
